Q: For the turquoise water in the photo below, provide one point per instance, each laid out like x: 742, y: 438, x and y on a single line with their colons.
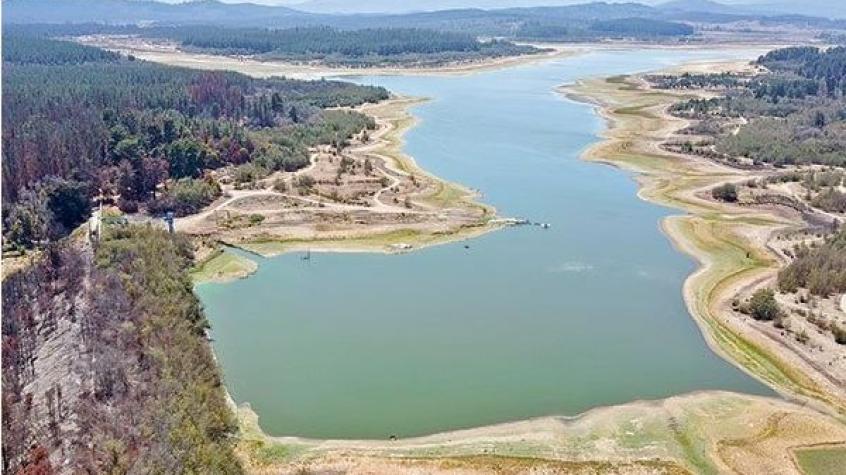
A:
x: 526, y: 322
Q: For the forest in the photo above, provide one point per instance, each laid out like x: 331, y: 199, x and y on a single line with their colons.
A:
x: 373, y: 46
x: 138, y: 389
x: 79, y: 121
x: 370, y: 46
x: 796, y: 111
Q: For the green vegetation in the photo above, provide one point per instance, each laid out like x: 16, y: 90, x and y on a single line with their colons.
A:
x: 697, y: 81
x: 185, y: 196
x: 362, y: 47
x: 257, y: 28
x: 49, y: 209
x: 641, y: 28
x: 821, y: 268
x: 763, y: 305
x: 91, y: 121
x: 152, y: 399
x: 726, y: 192
x: 223, y: 266
x: 795, y: 112
x: 821, y: 460
x: 26, y: 49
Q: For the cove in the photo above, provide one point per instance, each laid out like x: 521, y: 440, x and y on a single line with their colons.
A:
x: 526, y: 322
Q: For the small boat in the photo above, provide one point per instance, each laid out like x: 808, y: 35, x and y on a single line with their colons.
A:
x: 307, y: 255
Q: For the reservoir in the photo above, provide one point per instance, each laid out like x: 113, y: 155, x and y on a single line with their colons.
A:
x: 527, y: 322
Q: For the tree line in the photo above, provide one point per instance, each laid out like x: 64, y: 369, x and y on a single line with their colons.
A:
x: 329, y: 45
x: 78, y: 120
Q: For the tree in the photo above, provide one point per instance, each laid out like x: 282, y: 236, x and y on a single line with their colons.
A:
x: 128, y: 149
x: 153, y: 171
x: 28, y: 220
x: 763, y: 305
x: 127, y: 183
x: 187, y: 158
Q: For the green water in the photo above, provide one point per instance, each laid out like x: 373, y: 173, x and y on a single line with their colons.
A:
x: 527, y: 322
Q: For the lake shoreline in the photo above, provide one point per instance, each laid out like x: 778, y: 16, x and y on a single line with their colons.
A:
x: 454, y: 212
x: 703, y: 431
x: 720, y: 439
x: 636, y: 129
x: 168, y: 53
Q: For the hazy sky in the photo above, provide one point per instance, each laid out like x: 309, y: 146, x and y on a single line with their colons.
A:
x: 506, y: 3
x: 824, y: 8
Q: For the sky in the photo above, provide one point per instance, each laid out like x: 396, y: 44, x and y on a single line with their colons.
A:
x: 825, y: 8
x: 504, y: 2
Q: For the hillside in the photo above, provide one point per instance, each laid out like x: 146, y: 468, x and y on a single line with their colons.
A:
x: 106, y: 368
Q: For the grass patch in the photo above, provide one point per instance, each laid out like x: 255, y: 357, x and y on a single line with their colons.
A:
x: 821, y: 461
x: 223, y: 266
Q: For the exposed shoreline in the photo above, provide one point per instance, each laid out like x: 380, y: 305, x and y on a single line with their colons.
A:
x: 699, y: 432
x: 168, y: 53
x: 729, y: 243
x: 456, y: 212
x: 545, y: 440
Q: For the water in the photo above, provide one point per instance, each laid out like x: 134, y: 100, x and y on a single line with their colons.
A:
x: 527, y: 322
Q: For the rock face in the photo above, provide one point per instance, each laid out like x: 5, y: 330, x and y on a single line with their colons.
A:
x: 44, y: 358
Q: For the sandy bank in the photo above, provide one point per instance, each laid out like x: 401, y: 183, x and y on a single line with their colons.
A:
x: 397, y: 207
x: 168, y: 53
x: 705, y: 432
x: 730, y: 243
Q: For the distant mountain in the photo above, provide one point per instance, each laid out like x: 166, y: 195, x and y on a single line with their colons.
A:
x: 495, y: 22
x: 814, y: 8
x: 247, y: 14
x: 820, y: 8
x: 703, y: 6
x: 141, y: 11
x: 400, y: 6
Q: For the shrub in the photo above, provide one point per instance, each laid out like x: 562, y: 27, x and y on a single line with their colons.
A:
x: 305, y: 181
x: 821, y: 269
x: 248, y: 173
x: 726, y: 192
x: 186, y: 196
x: 127, y: 206
x: 763, y: 305
x: 830, y: 200
x: 280, y: 186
